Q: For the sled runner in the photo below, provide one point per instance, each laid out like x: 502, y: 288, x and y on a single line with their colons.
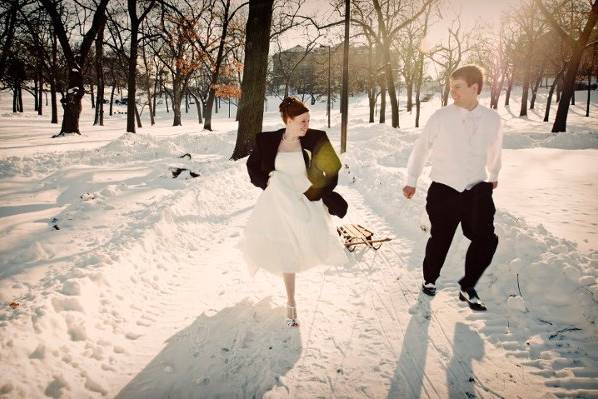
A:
x: 355, y: 234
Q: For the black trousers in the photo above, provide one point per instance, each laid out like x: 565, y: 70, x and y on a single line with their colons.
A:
x: 474, y: 209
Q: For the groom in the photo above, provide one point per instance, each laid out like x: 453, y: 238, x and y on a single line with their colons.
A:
x: 465, y: 141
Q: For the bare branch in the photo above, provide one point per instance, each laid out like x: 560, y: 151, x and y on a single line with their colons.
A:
x: 554, y: 24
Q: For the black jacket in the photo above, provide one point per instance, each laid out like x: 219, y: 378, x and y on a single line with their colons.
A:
x: 321, y: 162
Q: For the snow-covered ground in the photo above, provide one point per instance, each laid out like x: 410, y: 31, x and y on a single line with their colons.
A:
x: 127, y: 282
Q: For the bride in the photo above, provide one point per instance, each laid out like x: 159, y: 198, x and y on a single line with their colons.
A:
x: 290, y: 228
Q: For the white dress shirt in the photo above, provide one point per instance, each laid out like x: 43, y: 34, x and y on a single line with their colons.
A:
x: 465, y: 147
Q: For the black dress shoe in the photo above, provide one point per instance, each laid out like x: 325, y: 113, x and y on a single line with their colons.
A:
x: 470, y: 296
x: 429, y: 288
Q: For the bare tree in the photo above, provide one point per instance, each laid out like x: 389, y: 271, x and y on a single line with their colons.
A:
x: 419, y: 77
x: 364, y: 12
x: 389, y: 27
x: 557, y: 78
x: 177, y: 52
x: 449, y: 55
x: 75, y: 61
x: 148, y: 67
x: 135, y: 23
x: 287, y: 62
x: 99, y: 58
x: 577, y: 48
x: 407, y: 48
x: 226, y: 16
x: 496, y: 58
x: 253, y: 90
x: 591, y: 67
x: 531, y: 28
x: 8, y: 32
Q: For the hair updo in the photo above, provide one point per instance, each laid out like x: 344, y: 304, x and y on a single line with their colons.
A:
x: 291, y: 107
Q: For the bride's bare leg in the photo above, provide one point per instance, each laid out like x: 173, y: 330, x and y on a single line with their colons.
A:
x: 289, y: 283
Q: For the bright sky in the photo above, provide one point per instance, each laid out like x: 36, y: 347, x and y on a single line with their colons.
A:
x: 483, y: 12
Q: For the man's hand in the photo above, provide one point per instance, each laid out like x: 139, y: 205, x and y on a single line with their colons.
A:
x: 408, y: 191
x: 494, y: 184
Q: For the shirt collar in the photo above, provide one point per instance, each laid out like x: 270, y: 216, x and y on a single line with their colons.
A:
x: 474, y: 113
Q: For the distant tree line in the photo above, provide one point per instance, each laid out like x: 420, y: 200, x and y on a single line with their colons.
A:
x: 200, y: 51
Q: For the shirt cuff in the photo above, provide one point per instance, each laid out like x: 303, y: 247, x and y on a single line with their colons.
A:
x: 492, y: 177
x: 412, y: 181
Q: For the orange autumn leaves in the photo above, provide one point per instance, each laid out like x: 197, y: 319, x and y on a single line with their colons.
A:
x: 227, y: 91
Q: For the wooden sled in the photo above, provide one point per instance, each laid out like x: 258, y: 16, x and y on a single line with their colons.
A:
x: 355, y: 234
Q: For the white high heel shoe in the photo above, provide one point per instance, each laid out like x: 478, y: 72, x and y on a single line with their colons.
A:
x: 292, y: 316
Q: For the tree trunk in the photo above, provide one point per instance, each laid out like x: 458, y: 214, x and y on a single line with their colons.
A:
x: 137, y: 117
x: 148, y: 85
x: 255, y: 68
x: 559, y: 90
x: 557, y: 78
x: 71, y: 102
x: 372, y: 103
x: 53, y: 80
x: 560, y: 122
x: 382, y: 118
x: 499, y: 89
x: 40, y: 93
x: 390, y: 84
x: 92, y: 97
x: 157, y: 85
x: 177, y: 97
x: 132, y: 72
x: 99, y: 114
x: 446, y: 90
x: 392, y: 93
x: 418, y: 84
x: 589, y: 87
x: 523, y: 110
x: 149, y: 103
x: 409, y: 86
x: 345, y: 84
x: 53, y: 101
x: 509, y: 88
x: 371, y: 85
x: 493, y: 90
x: 21, y: 109
x: 166, y: 99
x: 35, y: 91
x: 154, y: 98
x: 216, y: 71
x: 496, y: 88
x: 8, y: 34
x: 535, y: 88
x: 40, y: 96
x: 112, y: 96
x: 198, y: 105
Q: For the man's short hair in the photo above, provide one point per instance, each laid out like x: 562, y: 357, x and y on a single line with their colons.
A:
x: 471, y: 74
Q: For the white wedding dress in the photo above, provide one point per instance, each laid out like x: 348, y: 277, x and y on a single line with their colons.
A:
x: 288, y: 233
